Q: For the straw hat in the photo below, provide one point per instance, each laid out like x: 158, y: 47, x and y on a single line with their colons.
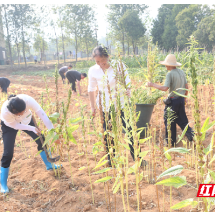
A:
x: 170, y: 60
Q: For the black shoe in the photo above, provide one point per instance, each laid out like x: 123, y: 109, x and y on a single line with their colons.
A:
x: 189, y: 137
x: 109, y: 163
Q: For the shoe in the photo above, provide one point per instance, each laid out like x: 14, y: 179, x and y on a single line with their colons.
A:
x: 49, y: 166
x: 109, y: 163
x: 189, y: 137
x: 144, y: 163
x: 4, y: 176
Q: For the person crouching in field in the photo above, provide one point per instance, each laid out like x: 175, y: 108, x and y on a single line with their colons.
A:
x: 16, y: 115
x: 4, y: 83
x: 73, y: 77
x: 97, y: 74
x: 175, y: 79
x: 62, y: 72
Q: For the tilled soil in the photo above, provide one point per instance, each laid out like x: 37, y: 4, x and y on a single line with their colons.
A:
x: 34, y: 189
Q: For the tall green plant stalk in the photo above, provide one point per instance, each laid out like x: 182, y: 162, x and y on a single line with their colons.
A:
x: 196, y: 112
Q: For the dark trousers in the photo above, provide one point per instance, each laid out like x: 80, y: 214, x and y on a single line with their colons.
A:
x: 177, y: 105
x: 5, y: 85
x: 129, y: 129
x: 71, y: 80
x: 63, y: 77
x: 9, y: 136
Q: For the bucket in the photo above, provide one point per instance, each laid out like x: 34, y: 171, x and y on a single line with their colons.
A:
x: 145, y: 116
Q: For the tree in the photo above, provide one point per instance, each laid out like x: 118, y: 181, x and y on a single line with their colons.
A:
x: 132, y: 26
x: 159, y: 24
x: 7, y: 25
x: 187, y: 21
x: 76, y: 18
x: 205, y: 32
x: 40, y: 45
x: 116, y: 11
x: 25, y: 17
x: 170, y: 29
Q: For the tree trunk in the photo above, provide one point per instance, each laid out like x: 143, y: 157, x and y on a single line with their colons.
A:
x: 76, y: 46
x: 17, y: 47
x: 133, y: 47
x: 57, y: 46
x: 8, y: 37
x: 23, y: 40
x: 44, y: 53
x: 64, y: 57
x: 128, y: 48
x: 87, y: 50
x: 123, y: 43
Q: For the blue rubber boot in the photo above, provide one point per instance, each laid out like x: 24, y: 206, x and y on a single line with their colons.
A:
x: 4, y: 176
x: 47, y: 163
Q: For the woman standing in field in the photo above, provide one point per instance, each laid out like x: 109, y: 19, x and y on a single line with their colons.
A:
x: 16, y: 115
x: 96, y: 76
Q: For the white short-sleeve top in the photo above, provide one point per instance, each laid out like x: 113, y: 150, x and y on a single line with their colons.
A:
x: 97, y: 77
x: 7, y: 116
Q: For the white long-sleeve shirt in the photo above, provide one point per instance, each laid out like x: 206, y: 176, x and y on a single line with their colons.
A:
x: 97, y: 77
x: 22, y: 122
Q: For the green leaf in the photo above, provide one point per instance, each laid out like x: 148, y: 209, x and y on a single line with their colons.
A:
x: 49, y: 136
x: 105, y: 179
x: 144, y: 140
x: 38, y: 153
x: 101, y: 171
x: 212, y: 173
x: 53, y: 117
x: 126, y: 146
x: 212, y: 160
x: 75, y: 120
x: 102, y: 159
x: 171, y: 171
x: 81, y: 168
x: 143, y: 154
x: 72, y: 128
x: 101, y: 164
x: 179, y: 150
x: 205, y: 125
x: 98, y: 144
x: 210, y: 146
x: 176, y: 181
x: 167, y: 155
x: 115, y: 183
x: 184, y: 203
x: 131, y: 169
x: 116, y: 188
x: 183, y: 133
x: 71, y: 138
x: 208, y: 127
x: 140, y: 177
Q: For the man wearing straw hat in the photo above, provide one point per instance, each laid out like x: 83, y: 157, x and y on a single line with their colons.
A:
x: 175, y: 79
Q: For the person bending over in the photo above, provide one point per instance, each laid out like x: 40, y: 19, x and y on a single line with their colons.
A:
x: 4, y: 83
x: 63, y: 70
x: 73, y: 77
x: 16, y: 115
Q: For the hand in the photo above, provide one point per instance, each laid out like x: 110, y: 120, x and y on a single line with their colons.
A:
x: 93, y: 112
x: 149, y: 84
x: 58, y: 141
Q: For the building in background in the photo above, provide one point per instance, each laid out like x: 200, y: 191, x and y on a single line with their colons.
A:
x: 2, y: 43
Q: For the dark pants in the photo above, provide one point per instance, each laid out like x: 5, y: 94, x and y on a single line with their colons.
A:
x: 62, y: 76
x: 5, y: 85
x: 9, y: 136
x: 177, y: 105
x: 71, y: 81
x: 129, y: 129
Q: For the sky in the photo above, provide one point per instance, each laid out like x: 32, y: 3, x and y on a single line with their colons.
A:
x: 102, y: 13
